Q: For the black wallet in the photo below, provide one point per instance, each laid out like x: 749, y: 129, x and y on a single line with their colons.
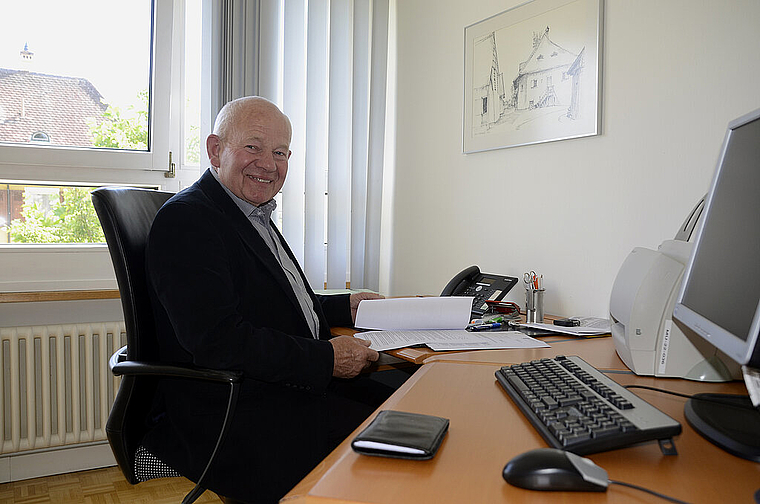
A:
x: 401, y: 434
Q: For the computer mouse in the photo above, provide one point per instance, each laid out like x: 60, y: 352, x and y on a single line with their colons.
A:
x: 553, y: 469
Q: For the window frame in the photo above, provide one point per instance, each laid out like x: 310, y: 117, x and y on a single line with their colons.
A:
x: 69, y: 160
x: 36, y: 163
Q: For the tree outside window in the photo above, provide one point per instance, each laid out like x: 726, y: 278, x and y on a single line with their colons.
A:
x: 51, y: 215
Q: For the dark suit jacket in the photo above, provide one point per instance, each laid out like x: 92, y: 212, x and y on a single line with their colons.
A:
x: 222, y: 301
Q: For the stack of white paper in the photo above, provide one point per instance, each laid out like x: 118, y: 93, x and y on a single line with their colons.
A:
x: 437, y: 322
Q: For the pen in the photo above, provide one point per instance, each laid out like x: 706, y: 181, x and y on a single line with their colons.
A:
x: 484, y: 327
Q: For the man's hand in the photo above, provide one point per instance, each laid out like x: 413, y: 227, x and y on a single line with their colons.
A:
x: 357, y: 298
x: 352, y: 355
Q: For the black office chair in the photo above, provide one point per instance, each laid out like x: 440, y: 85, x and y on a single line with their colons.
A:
x: 126, y: 215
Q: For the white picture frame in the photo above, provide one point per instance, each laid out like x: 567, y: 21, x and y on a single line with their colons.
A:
x: 532, y: 74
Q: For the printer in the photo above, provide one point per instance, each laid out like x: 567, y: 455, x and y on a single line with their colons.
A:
x: 641, y: 310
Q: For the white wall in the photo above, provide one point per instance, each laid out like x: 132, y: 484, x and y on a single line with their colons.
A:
x: 675, y: 72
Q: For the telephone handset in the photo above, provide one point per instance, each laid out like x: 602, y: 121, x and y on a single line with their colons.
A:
x: 482, y: 286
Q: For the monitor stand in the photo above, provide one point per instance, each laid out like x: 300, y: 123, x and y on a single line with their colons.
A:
x: 733, y: 423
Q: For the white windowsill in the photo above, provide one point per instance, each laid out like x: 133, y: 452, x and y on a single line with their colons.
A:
x: 55, y: 267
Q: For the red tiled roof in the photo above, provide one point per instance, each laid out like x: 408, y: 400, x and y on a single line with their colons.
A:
x: 58, y: 106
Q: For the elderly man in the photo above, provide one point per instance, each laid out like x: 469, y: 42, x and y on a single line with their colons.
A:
x: 228, y: 293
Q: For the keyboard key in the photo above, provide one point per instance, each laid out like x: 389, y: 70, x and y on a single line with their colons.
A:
x: 605, y: 431
x: 574, y: 439
x: 570, y: 400
x: 550, y: 402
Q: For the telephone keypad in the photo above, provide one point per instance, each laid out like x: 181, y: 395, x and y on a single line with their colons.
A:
x: 480, y: 296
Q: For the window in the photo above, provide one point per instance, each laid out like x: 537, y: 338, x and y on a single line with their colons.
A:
x: 93, y: 114
x: 35, y: 213
x: 82, y: 77
x: 76, y: 76
x: 76, y: 101
x: 40, y: 137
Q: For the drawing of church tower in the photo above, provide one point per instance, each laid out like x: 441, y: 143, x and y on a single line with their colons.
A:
x: 489, y: 98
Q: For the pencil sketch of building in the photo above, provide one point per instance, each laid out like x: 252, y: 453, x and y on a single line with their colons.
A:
x: 543, y: 79
x: 532, y: 80
x: 550, y: 77
x: 489, y: 99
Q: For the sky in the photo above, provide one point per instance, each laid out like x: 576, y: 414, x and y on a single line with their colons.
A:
x: 104, y: 41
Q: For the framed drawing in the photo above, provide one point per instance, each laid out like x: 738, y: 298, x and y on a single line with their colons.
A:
x: 532, y: 74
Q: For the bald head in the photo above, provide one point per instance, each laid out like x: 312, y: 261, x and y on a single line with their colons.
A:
x: 250, y: 148
x: 241, y: 109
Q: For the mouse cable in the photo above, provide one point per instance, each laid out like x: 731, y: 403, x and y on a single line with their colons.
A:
x: 687, y: 396
x: 652, y: 492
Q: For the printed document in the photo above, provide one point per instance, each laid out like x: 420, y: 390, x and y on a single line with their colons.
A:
x: 443, y: 340
x: 447, y: 312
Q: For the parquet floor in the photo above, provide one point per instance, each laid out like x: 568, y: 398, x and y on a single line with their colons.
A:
x: 98, y: 486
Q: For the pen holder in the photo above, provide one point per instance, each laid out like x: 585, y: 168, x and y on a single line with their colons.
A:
x: 534, y: 305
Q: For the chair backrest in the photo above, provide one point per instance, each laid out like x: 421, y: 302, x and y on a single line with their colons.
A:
x: 126, y: 215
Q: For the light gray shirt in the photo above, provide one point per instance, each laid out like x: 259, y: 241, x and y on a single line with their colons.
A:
x: 259, y: 217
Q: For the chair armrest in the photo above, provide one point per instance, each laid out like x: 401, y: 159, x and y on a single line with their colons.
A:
x: 119, y: 366
x: 119, y: 355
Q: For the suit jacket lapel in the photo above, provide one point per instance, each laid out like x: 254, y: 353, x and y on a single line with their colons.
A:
x: 250, y: 237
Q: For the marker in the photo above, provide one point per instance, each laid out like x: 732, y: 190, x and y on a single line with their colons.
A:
x: 485, y: 327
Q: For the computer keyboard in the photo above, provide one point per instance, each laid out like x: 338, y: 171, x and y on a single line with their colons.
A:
x: 575, y: 407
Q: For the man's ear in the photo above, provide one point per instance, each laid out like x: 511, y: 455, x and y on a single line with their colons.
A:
x: 213, y: 149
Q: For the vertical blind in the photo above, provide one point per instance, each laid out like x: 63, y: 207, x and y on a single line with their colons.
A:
x: 334, y: 85
x: 325, y: 63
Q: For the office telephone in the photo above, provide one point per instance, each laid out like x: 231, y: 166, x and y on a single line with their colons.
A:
x: 481, y: 286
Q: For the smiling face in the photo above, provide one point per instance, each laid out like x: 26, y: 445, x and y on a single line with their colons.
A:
x: 249, y: 149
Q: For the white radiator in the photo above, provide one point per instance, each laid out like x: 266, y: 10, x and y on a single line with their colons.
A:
x: 55, y: 385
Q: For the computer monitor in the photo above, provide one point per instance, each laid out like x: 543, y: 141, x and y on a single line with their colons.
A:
x: 719, y: 299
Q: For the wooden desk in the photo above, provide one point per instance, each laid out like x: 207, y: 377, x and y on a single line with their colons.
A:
x: 487, y: 430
